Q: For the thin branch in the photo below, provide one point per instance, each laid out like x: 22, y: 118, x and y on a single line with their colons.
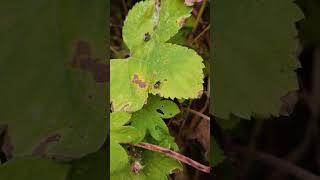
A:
x: 256, y: 131
x: 174, y: 155
x: 202, y: 32
x: 197, y: 113
x: 199, y: 15
x: 280, y: 164
x: 125, y: 8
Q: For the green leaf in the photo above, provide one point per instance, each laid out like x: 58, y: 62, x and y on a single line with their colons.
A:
x: 254, y: 56
x: 154, y: 166
x: 216, y: 154
x: 155, y: 66
x: 161, y: 25
x: 118, y: 157
x: 42, y: 78
x: 177, y: 70
x: 149, y: 119
x: 125, y: 95
x: 157, y: 166
x: 92, y: 166
x: 33, y: 168
x: 120, y: 134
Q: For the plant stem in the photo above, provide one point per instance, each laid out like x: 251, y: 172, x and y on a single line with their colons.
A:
x: 280, y: 164
x: 197, y: 113
x: 174, y: 155
x: 196, y: 38
x: 203, y: 5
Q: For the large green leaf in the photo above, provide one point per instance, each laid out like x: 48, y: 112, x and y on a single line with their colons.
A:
x: 155, y: 66
x: 33, y: 168
x: 253, y: 56
x: 171, y: 71
x: 53, y: 73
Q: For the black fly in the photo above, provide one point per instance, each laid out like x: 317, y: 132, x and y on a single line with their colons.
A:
x: 146, y: 37
x: 157, y: 85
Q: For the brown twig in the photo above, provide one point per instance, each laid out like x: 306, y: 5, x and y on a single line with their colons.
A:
x: 280, y: 164
x: 197, y: 113
x: 174, y: 155
x: 199, y: 15
x: 200, y: 34
x: 256, y: 131
x: 125, y: 8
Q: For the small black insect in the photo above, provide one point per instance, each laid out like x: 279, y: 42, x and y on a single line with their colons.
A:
x: 157, y: 85
x: 146, y: 37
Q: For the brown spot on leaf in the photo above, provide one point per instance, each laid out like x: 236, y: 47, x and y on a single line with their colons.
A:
x: 82, y: 59
x: 124, y: 107
x: 42, y: 147
x: 139, y: 82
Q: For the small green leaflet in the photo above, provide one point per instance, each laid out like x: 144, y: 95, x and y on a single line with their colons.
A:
x: 120, y: 134
x: 149, y: 120
x: 155, y: 67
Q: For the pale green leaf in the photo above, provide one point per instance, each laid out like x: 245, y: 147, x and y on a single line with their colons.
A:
x: 161, y: 25
x: 118, y: 157
x: 155, y: 66
x: 174, y: 71
x: 119, y: 119
x: 254, y: 56
x: 125, y: 95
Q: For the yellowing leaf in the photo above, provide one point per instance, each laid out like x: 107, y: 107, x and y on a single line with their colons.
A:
x: 125, y: 94
x: 156, y: 67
